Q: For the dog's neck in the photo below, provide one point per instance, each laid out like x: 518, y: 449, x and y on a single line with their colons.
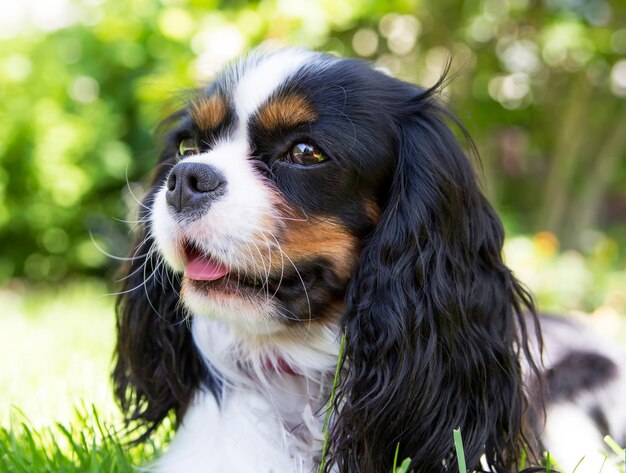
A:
x: 279, y: 365
x: 292, y: 371
x: 243, y: 359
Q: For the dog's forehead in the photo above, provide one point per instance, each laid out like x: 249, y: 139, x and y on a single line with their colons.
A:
x: 260, y: 79
x: 251, y: 88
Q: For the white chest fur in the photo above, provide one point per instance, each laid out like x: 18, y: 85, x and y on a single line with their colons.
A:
x: 267, y: 421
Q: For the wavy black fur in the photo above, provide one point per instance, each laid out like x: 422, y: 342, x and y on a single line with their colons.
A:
x: 434, y: 327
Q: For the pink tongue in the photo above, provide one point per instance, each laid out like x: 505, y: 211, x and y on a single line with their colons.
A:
x: 204, y: 269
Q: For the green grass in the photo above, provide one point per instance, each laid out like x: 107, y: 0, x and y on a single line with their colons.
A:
x: 87, y: 444
x: 56, y: 346
x: 55, y: 350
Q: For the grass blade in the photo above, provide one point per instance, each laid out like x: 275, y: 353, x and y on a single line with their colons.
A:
x: 460, y: 453
x: 330, y: 405
x: 404, y: 468
x: 548, y: 462
x: 395, y: 458
x: 615, y: 446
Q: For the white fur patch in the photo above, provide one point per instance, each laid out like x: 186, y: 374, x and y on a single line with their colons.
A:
x: 166, y: 231
x: 243, y: 436
x: 574, y: 442
x: 310, y: 349
x: 260, y: 80
x: 268, y: 421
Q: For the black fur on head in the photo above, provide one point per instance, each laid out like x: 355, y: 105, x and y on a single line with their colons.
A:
x: 156, y: 367
x: 434, y: 326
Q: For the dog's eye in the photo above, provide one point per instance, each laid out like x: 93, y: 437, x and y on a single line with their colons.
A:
x: 188, y: 147
x: 306, y: 154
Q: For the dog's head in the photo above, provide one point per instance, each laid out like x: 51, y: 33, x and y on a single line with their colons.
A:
x: 269, y: 186
x: 303, y: 189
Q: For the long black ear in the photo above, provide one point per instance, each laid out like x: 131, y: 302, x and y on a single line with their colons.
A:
x: 434, y: 326
x: 156, y: 368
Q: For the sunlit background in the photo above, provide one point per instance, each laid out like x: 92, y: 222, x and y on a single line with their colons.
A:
x: 541, y: 85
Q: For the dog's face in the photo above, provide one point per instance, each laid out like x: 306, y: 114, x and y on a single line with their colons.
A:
x: 273, y: 185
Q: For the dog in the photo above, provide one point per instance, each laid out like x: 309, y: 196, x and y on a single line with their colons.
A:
x: 317, y: 284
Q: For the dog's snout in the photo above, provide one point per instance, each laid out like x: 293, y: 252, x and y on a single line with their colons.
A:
x: 191, y: 187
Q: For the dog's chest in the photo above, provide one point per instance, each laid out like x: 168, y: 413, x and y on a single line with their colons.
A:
x: 298, y: 403
x: 249, y: 432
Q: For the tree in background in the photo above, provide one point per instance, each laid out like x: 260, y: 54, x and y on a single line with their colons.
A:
x: 540, y: 84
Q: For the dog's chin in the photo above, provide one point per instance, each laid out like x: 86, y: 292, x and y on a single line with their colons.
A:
x: 244, y: 305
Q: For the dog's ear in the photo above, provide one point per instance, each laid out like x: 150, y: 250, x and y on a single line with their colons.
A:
x: 157, y: 369
x: 434, y: 326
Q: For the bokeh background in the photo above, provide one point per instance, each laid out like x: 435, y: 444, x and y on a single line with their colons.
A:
x: 540, y: 84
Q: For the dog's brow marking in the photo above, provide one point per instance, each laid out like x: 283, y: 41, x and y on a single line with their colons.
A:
x: 285, y: 111
x: 209, y: 112
x: 259, y: 81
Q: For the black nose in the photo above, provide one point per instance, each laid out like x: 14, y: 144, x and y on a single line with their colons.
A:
x: 191, y: 187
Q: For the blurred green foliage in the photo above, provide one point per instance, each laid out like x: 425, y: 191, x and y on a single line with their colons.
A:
x: 540, y: 84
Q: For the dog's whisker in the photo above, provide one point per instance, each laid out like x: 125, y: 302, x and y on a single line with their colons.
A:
x: 112, y: 256
x: 304, y: 289
x: 282, y: 261
x: 135, y: 288
x: 132, y: 194
x: 264, y: 270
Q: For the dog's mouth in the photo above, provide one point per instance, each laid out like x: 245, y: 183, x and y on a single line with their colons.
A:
x: 207, y: 272
x: 202, y: 267
x: 294, y: 294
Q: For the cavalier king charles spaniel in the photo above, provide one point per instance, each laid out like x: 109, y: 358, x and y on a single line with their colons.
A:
x: 317, y: 284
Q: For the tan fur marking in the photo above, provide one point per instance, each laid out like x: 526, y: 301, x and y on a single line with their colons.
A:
x: 209, y: 112
x: 372, y: 210
x: 285, y: 112
x: 322, y: 238
x: 302, y: 239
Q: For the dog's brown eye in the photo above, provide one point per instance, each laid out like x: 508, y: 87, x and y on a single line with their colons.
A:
x: 306, y: 154
x: 188, y: 147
